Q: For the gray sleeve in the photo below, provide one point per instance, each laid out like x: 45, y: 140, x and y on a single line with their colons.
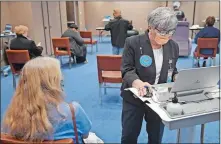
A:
x: 128, y: 63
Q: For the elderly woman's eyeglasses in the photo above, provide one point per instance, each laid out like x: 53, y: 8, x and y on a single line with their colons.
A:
x: 165, y: 33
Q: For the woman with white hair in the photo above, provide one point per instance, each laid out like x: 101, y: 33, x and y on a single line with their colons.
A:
x: 148, y: 59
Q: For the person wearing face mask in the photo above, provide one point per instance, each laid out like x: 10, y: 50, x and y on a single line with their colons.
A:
x: 118, y: 28
x: 147, y: 59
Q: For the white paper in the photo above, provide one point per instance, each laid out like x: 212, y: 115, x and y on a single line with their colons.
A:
x: 92, y: 138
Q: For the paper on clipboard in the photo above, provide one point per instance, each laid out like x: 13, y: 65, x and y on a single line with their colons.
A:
x: 154, y: 98
x: 135, y: 92
x: 154, y: 106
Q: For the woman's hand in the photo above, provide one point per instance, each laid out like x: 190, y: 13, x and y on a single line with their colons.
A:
x: 141, y: 86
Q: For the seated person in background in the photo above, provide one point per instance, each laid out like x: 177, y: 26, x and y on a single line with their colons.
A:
x: 22, y: 42
x: 38, y: 111
x: 179, y: 14
x: 118, y: 28
x: 78, y: 48
x: 208, y: 32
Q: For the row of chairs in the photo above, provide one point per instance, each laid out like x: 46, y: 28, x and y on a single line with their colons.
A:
x: 105, y: 72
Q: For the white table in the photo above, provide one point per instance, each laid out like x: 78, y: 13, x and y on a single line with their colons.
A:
x: 186, y: 126
x: 194, y: 29
x: 100, y: 32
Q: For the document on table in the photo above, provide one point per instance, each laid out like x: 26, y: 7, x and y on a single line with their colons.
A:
x: 154, y: 106
x: 135, y: 92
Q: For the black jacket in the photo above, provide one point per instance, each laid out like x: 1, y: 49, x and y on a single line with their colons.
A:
x: 22, y: 43
x: 118, y: 28
x: 180, y: 15
x: 131, y: 69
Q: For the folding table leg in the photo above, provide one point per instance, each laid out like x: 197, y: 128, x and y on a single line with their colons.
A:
x: 202, y: 133
x: 186, y: 135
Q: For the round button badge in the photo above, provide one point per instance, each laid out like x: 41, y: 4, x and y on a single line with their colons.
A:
x: 145, y: 60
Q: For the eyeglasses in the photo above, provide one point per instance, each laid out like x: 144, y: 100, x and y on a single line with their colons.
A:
x: 165, y: 33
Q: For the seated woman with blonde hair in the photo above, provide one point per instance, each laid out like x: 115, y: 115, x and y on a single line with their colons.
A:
x: 22, y: 42
x: 38, y: 111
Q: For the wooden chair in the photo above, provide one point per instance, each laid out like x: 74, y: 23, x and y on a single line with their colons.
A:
x: 88, y: 35
x: 17, y: 57
x: 63, y: 43
x: 109, y: 71
x: 206, y: 43
x: 6, y: 139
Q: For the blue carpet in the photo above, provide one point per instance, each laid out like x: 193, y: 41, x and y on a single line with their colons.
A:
x: 81, y: 85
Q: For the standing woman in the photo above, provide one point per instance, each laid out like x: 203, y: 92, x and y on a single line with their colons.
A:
x: 148, y: 59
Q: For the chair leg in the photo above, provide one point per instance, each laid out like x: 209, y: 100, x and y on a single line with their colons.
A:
x: 96, y: 48
x: 70, y: 63
x: 197, y: 61
x: 14, y: 81
x: 105, y: 89
x: 193, y: 62
x: 60, y: 58
x: 100, y: 93
x: 210, y: 61
x: 214, y: 61
x: 91, y: 49
x: 202, y: 134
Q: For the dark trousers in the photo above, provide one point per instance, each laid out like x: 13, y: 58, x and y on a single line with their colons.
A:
x: 132, y: 118
x: 81, y: 59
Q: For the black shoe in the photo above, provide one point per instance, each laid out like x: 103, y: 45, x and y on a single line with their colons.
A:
x: 204, y: 64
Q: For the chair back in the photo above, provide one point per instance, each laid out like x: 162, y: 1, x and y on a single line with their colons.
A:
x: 207, y: 43
x: 17, y: 57
x: 63, y: 43
x: 6, y: 139
x: 181, y: 36
x: 86, y: 34
x: 108, y: 63
x: 182, y: 31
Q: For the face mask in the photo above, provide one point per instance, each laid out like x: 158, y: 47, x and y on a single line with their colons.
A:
x: 161, y: 40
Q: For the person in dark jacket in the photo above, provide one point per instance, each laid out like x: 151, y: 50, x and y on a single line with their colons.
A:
x: 78, y: 48
x: 179, y: 14
x: 118, y: 28
x: 147, y: 59
x: 208, y: 32
x: 22, y: 42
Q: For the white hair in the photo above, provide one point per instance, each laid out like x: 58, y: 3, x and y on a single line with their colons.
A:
x: 176, y: 4
x: 163, y: 19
